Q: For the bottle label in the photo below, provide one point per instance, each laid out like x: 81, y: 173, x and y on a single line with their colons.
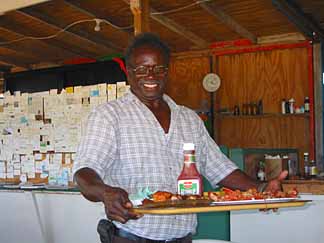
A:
x: 313, y: 171
x: 189, y: 158
x: 188, y: 187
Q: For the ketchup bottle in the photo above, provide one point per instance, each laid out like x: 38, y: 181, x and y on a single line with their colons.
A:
x: 189, y: 181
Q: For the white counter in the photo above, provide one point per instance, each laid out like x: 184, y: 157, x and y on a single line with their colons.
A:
x: 47, y: 217
x: 295, y: 225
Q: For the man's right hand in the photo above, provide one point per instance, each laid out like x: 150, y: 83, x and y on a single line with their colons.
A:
x: 118, y: 205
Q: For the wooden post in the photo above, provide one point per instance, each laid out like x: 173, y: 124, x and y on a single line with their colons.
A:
x: 141, y: 12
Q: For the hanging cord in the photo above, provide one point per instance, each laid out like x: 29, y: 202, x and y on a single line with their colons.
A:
x: 181, y: 8
x: 96, y: 20
x: 63, y: 30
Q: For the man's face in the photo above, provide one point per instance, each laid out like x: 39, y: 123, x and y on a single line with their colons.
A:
x: 147, y: 73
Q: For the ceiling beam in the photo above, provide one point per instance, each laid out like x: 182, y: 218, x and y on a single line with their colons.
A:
x: 8, y: 22
x: 14, y: 61
x: 141, y: 13
x: 305, y: 24
x: 287, y: 37
x: 177, y: 28
x: 214, y: 10
x: 29, y: 48
x: 76, y: 33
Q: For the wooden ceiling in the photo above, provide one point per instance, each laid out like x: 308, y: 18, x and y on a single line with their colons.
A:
x: 26, y: 43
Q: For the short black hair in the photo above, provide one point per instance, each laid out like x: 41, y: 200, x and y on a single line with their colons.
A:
x: 147, y: 39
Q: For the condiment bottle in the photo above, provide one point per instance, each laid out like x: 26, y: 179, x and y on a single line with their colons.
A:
x: 292, y: 106
x: 306, y: 104
x: 283, y: 106
x: 189, y: 181
x: 312, y: 169
x: 261, y: 173
x: 306, y: 166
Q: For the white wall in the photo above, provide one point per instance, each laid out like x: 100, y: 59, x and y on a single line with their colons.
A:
x: 41, y: 217
x: 297, y: 225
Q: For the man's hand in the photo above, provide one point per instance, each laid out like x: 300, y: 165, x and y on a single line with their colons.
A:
x: 118, y: 205
x: 275, y: 184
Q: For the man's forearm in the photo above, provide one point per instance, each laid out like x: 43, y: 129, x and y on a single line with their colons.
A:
x: 91, y: 185
x: 239, y: 180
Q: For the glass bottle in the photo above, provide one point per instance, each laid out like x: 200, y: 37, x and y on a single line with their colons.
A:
x: 306, y: 104
x: 312, y: 169
x: 189, y: 180
x: 306, y: 166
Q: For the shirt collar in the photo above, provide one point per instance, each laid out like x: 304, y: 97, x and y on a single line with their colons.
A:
x: 129, y: 96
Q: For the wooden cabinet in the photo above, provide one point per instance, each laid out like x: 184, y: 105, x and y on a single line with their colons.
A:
x: 269, y: 76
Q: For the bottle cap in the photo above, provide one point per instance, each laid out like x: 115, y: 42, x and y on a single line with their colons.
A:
x: 188, y: 146
x: 305, y: 153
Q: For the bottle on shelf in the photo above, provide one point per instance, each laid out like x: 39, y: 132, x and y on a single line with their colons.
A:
x: 260, y: 107
x: 287, y: 107
x: 306, y: 104
x: 306, y: 166
x: 292, y: 106
x: 312, y: 169
x: 261, y: 173
x: 189, y: 180
x: 283, y: 106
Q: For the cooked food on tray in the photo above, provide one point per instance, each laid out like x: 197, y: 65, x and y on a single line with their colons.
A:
x: 225, y: 194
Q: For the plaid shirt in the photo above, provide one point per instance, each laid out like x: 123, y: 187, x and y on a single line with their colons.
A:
x: 125, y: 144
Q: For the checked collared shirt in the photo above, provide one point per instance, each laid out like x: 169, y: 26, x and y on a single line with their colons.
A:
x: 125, y: 144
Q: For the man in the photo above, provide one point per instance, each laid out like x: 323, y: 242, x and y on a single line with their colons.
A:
x: 136, y: 142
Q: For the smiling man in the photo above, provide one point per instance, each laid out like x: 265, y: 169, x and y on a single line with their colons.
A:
x: 136, y: 142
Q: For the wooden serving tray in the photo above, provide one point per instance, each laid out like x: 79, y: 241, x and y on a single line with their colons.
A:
x: 203, y: 206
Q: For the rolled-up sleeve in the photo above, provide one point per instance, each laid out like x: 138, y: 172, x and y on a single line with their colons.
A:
x: 216, y: 165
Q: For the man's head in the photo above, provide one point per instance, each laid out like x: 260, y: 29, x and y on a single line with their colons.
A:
x: 147, y: 61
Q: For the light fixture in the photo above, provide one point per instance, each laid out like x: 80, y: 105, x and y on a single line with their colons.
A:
x: 97, y: 27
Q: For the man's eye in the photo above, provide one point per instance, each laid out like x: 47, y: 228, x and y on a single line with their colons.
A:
x: 159, y: 69
x: 141, y: 70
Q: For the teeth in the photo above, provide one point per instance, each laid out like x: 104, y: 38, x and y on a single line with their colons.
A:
x: 150, y: 85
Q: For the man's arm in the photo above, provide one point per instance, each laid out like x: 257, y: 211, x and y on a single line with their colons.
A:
x: 116, y: 201
x: 90, y: 184
x: 239, y: 180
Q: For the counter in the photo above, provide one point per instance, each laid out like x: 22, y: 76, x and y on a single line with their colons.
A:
x: 315, y: 187
x: 299, y: 225
x: 40, y: 216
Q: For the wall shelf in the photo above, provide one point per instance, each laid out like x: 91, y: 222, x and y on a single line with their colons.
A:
x: 265, y: 115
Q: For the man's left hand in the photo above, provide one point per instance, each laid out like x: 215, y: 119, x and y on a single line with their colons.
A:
x: 275, y: 184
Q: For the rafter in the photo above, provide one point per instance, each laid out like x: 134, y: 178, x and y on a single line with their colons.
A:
x: 14, y: 62
x: 227, y: 20
x: 13, y: 26
x: 306, y: 25
x: 177, y: 28
x: 27, y: 47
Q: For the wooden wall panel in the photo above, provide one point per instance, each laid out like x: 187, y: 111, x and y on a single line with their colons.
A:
x: 185, y: 81
x: 270, y: 76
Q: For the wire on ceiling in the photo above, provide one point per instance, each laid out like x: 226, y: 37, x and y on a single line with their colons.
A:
x: 181, y: 8
x: 96, y: 28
